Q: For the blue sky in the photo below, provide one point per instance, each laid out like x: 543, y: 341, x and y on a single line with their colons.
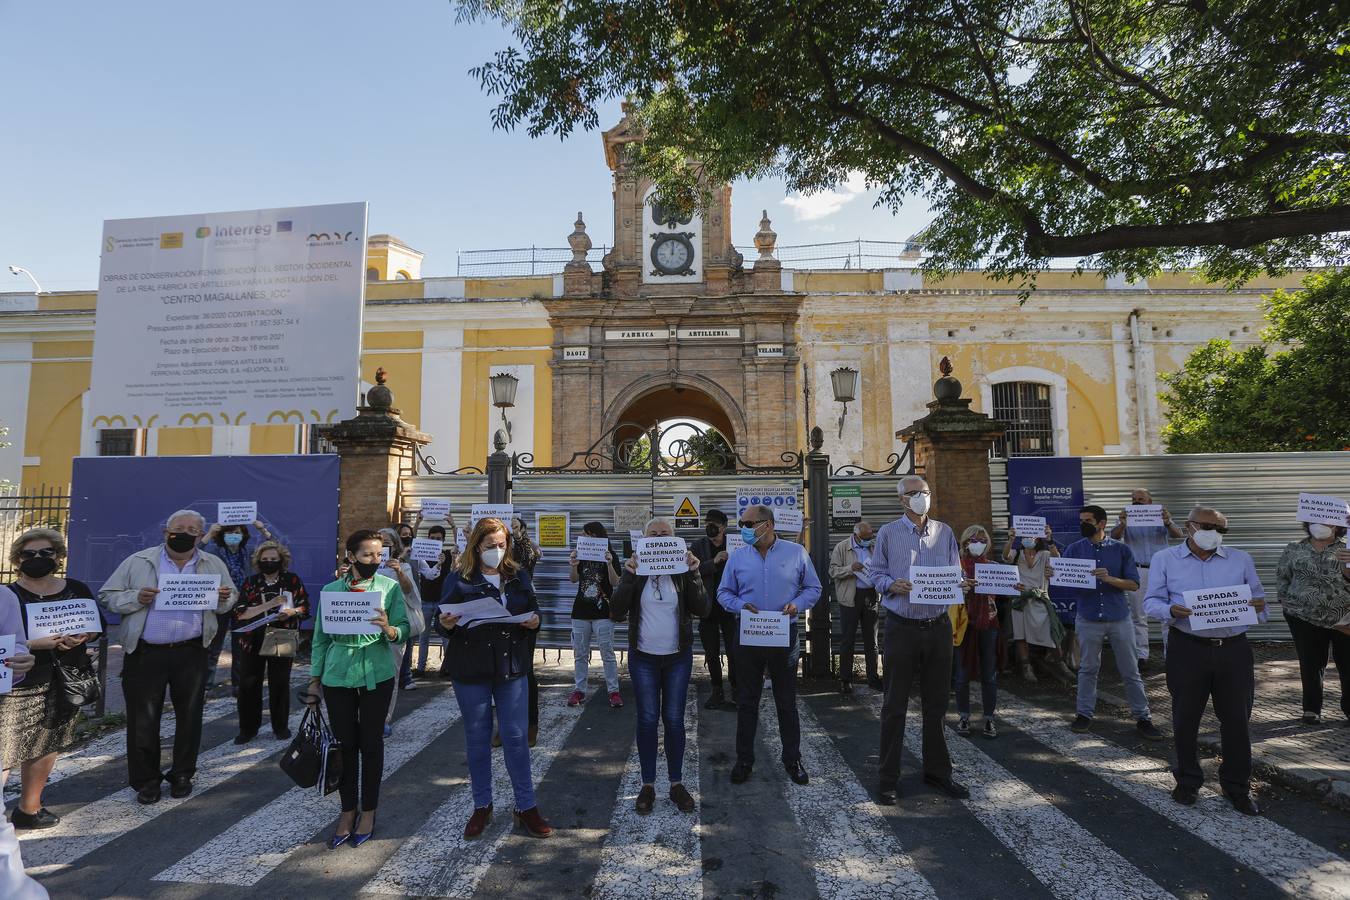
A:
x: 161, y: 108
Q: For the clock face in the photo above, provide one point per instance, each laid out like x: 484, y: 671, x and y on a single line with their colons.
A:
x: 672, y: 254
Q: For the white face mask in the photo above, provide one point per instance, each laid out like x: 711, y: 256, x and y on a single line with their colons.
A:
x: 919, y: 503
x: 1321, y: 532
x: 977, y: 548
x: 1207, y: 540
x: 492, y: 557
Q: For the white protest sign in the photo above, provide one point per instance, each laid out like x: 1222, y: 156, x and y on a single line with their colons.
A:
x: 788, y: 519
x: 591, y: 549
x: 996, y: 578
x: 384, y: 556
x: 1323, y: 509
x: 461, y: 540
x: 349, y: 612
x: 764, y: 629
x: 178, y: 593
x: 935, y: 585
x: 433, y: 508
x: 472, y: 610
x: 1029, y: 526
x: 7, y: 642
x: 631, y: 517
x: 241, y: 512
x: 781, y: 498
x: 230, y: 318
x: 1144, y: 515
x: 635, y: 534
x: 1073, y: 573
x: 734, y: 541
x: 75, y: 616
x: 502, y: 511
x: 426, y: 550
x: 1224, y: 607
x: 660, y: 556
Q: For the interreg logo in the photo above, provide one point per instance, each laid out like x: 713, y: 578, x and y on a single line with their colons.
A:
x: 243, y: 230
x: 1052, y: 493
x: 204, y: 231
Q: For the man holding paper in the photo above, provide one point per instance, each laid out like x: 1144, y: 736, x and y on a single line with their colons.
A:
x: 767, y: 576
x: 1211, y: 662
x: 918, y: 638
x: 1145, y: 527
x: 165, y: 640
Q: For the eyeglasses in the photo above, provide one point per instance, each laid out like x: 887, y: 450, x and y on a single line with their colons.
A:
x: 917, y: 494
x: 44, y: 553
x: 745, y: 524
x: 1206, y: 526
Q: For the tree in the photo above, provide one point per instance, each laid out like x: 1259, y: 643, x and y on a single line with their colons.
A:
x: 1130, y: 134
x: 1266, y: 398
x: 710, y: 452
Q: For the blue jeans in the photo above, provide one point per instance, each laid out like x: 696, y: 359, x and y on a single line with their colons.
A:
x: 429, y: 612
x: 476, y: 700
x: 603, y: 632
x: 1090, y: 637
x: 660, y: 690
x: 987, y: 647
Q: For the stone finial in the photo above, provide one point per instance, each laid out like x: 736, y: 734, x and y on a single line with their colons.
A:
x: 766, y: 237
x: 946, y: 389
x: 579, y: 241
x: 499, y: 441
x: 380, y: 396
x: 816, y: 439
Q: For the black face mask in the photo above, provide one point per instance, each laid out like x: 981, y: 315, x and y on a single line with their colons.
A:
x: 365, y: 570
x: 181, y: 542
x: 38, y: 567
x: 712, y: 531
x: 269, y: 566
x: 1088, y: 529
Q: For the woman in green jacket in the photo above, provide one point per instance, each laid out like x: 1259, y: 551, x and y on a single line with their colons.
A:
x: 357, y: 673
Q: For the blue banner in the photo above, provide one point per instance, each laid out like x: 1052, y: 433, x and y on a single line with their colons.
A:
x: 119, y: 504
x: 1049, y: 486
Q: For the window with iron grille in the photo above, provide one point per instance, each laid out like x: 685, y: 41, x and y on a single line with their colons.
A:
x: 117, y: 442
x: 1024, y: 408
x: 318, y: 439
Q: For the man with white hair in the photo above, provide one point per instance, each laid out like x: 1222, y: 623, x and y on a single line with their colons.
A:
x: 918, y: 639
x: 165, y: 649
x: 857, y: 603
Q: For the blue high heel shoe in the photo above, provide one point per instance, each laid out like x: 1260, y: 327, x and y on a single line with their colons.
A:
x: 359, y: 839
x: 338, y: 840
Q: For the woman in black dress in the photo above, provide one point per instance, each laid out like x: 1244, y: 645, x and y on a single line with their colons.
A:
x: 268, y: 649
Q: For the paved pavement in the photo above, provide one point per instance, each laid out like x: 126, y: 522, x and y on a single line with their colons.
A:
x: 1051, y: 814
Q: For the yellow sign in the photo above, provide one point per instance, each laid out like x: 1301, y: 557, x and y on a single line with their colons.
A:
x: 686, y: 511
x: 550, y: 529
x: 171, y: 240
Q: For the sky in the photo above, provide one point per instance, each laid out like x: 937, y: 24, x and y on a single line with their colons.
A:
x: 151, y: 108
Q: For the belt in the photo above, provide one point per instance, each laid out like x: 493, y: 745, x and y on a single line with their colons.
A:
x: 919, y: 623
x: 197, y: 642
x: 1140, y: 565
x: 1213, y: 642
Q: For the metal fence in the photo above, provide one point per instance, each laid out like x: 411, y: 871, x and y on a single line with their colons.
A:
x: 1258, y: 492
x: 42, y: 507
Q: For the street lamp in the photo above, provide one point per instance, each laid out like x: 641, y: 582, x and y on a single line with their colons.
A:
x: 845, y: 383
x: 504, y: 386
x: 20, y: 270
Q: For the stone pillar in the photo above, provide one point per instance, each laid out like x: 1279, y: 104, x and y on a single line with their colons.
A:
x: 373, y: 449
x: 951, y: 451
x: 818, y: 544
x: 499, y: 470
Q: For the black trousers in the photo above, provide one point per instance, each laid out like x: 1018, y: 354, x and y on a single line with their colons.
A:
x: 751, y: 664
x: 864, y: 611
x: 1315, y: 645
x: 146, y: 674
x: 251, y: 672
x: 357, y: 718
x: 719, y: 627
x: 914, y: 648
x: 1199, y: 669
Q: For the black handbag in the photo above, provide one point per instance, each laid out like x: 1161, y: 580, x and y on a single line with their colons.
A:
x: 314, y: 756
x: 73, y: 686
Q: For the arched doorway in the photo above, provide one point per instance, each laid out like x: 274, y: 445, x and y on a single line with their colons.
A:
x: 680, y: 419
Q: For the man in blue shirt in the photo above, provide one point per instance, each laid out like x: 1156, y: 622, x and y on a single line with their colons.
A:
x: 1104, y: 612
x: 767, y: 575
x: 1144, y: 541
x: 918, y: 639
x: 1210, y: 663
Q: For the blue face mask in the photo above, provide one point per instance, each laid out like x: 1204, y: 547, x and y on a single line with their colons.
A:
x: 749, y: 535
x: 233, y: 539
x: 869, y: 543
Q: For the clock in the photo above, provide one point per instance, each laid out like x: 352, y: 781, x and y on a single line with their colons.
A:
x: 673, y: 253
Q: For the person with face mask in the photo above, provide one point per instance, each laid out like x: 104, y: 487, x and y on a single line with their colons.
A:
x: 230, y: 544
x: 590, y: 618
x: 27, y: 734
x: 918, y: 639
x: 718, y: 627
x: 1035, y: 623
x: 430, y: 581
x: 977, y: 647
x: 1104, y: 612
x: 489, y: 665
x: 165, y: 650
x: 1143, y: 541
x: 1313, y: 584
x: 353, y: 674
x: 857, y: 604
x: 1214, y: 664
x: 274, y: 591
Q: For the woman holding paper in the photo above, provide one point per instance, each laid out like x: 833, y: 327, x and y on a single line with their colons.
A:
x: 28, y: 734
x: 488, y: 662
x: 356, y: 675
x: 268, y: 648
x: 660, y: 611
x: 979, y: 651
x: 595, y: 580
x: 1034, y: 620
x: 1314, y: 587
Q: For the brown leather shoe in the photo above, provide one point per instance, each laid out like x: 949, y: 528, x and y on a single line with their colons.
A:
x: 646, y: 799
x: 478, y: 821
x: 533, y: 734
x: 533, y: 823
x: 681, y: 798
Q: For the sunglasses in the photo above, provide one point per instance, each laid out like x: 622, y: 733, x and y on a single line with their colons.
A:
x: 745, y: 524
x: 1206, y: 526
x: 44, y: 553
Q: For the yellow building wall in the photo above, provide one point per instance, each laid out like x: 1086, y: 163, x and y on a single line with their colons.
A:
x: 185, y: 441
x: 403, y: 370
x: 475, y: 393
x: 269, y: 439
x: 52, y: 429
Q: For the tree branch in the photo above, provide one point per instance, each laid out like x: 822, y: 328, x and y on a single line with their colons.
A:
x: 1236, y: 233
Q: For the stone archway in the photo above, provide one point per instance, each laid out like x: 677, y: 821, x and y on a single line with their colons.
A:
x: 655, y: 399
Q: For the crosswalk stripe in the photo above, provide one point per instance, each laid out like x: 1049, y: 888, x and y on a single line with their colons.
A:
x: 854, y: 853
x: 1294, y: 864
x: 437, y: 861
x: 1068, y: 859
x: 659, y: 854
x: 95, y: 824
x: 263, y: 840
